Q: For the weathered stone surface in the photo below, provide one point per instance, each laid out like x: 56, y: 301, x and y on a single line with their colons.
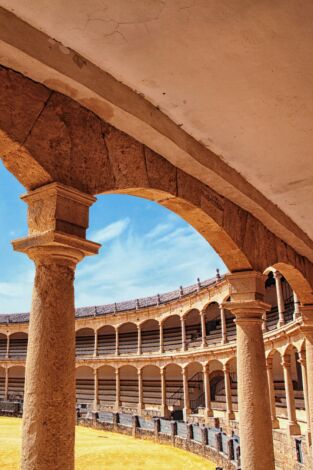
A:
x: 47, y: 137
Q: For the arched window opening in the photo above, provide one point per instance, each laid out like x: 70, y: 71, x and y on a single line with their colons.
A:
x: 2, y: 383
x: 128, y: 388
x: 84, y: 388
x: 106, y: 341
x: 150, y: 336
x: 172, y: 333
x: 174, y: 390
x: 193, y: 329
x: 195, y: 386
x: 3, y: 345
x: 151, y: 388
x: 279, y: 294
x: 18, y: 345
x: 16, y: 383
x: 107, y: 387
x: 85, y: 340
x: 128, y: 338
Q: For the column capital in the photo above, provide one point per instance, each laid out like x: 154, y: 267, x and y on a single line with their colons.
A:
x: 302, y: 358
x: 277, y: 275
x: 205, y: 368
x: 58, y: 218
x: 269, y: 363
x: 306, y: 312
x: 246, y: 286
x: 249, y: 311
x: 286, y: 362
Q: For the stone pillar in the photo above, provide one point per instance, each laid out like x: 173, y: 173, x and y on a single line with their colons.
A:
x: 116, y: 342
x: 161, y: 339
x: 207, y: 393
x: 270, y: 381
x: 296, y: 312
x: 293, y: 426
x: 203, y: 330
x: 223, y: 325
x: 164, y: 408
x: 95, y: 351
x: 7, y: 353
x: 229, y: 405
x: 117, y: 392
x: 6, y: 384
x: 302, y: 361
x: 280, y: 299
x: 96, y: 390
x: 140, y: 392
x: 57, y: 220
x: 255, y: 424
x: 139, y: 340
x: 183, y: 333
x: 307, y: 330
x: 186, y: 410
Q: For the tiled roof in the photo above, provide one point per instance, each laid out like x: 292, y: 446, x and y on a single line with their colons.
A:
x: 127, y: 305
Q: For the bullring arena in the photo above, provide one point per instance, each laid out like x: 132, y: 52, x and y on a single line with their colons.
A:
x: 204, y: 108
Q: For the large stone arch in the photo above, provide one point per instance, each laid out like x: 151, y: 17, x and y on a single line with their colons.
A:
x: 46, y: 136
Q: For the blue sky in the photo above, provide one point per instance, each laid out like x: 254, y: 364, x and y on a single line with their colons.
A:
x: 146, y: 249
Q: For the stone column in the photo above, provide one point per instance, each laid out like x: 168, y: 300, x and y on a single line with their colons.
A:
x: 255, y: 424
x: 302, y: 361
x: 164, y: 408
x: 140, y: 392
x: 57, y: 220
x: 116, y: 342
x: 117, y: 392
x: 229, y: 404
x: 207, y: 392
x: 296, y: 312
x: 293, y: 426
x: 139, y: 340
x: 183, y: 333
x: 186, y: 410
x: 6, y: 384
x: 95, y: 351
x: 280, y: 299
x: 269, y: 370
x: 223, y: 325
x: 203, y: 330
x: 7, y: 353
x: 96, y: 390
x: 307, y: 330
x: 161, y: 339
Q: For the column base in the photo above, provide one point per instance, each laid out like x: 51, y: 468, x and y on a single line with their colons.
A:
x: 117, y: 406
x: 230, y: 415
x: 186, y: 413
x: 204, y: 345
x: 294, y: 429
x: 207, y: 413
x: 95, y: 406
x: 275, y: 423
x: 165, y: 412
x: 139, y: 410
x: 280, y: 323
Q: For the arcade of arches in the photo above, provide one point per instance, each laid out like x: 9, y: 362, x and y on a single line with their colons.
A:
x: 240, y: 349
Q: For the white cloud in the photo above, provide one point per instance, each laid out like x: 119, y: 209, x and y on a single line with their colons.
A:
x: 109, y: 232
x: 137, y: 265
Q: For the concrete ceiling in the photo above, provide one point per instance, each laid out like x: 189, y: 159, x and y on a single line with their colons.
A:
x: 236, y: 75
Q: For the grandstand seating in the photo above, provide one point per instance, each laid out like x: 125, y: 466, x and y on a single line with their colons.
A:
x: 18, y: 347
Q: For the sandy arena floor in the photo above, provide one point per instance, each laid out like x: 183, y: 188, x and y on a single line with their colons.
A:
x: 98, y: 450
